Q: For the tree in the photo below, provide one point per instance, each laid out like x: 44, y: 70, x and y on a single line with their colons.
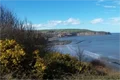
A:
x: 21, y: 31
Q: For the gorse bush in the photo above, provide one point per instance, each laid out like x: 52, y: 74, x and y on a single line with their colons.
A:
x: 53, y: 65
x: 39, y: 65
x: 39, y: 61
x: 11, y: 55
x: 13, y: 60
x: 59, y: 65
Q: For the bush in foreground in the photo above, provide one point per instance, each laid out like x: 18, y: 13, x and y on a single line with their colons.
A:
x: 100, y: 66
x: 11, y: 55
x: 13, y: 61
x: 59, y: 65
x: 54, y: 65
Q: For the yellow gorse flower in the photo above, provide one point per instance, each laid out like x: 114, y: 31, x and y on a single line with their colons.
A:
x: 39, y: 65
x: 10, y: 51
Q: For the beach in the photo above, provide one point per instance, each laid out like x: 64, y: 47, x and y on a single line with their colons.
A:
x: 103, y: 48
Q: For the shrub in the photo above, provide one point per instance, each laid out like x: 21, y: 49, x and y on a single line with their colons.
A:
x: 97, y: 63
x: 99, y: 66
x: 39, y: 66
x: 63, y: 64
x: 11, y: 55
x: 54, y: 65
x: 13, y: 60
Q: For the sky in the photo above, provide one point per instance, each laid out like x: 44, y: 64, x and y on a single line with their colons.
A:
x: 98, y: 15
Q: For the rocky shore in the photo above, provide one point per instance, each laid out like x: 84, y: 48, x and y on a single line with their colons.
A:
x: 58, y: 42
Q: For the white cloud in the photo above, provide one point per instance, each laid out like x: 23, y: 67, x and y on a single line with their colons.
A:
x: 108, y: 3
x: 52, y: 23
x: 48, y: 24
x: 109, y: 21
x: 106, y: 6
x: 71, y: 21
x: 37, y: 25
x: 115, y: 20
x: 96, y: 21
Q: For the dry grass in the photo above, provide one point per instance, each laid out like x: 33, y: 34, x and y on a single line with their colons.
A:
x: 111, y: 75
x: 115, y: 76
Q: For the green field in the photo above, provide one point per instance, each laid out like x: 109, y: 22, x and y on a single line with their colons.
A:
x: 67, y: 30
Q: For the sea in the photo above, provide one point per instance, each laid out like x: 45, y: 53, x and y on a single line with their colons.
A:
x: 103, y: 47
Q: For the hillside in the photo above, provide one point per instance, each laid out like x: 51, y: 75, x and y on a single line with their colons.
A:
x: 67, y: 30
x: 71, y: 32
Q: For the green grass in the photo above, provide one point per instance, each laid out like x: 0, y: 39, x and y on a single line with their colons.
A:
x: 67, y: 30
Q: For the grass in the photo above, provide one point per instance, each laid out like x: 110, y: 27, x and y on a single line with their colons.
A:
x: 113, y: 76
x: 67, y: 30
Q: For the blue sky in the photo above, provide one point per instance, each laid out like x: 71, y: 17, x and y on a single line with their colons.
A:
x: 99, y: 15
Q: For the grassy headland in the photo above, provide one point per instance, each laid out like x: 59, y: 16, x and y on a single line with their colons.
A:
x: 71, y: 32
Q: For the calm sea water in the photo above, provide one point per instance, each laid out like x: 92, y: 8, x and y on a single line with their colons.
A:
x: 102, y: 45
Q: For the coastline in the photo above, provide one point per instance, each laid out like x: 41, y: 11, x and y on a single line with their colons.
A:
x: 89, y: 56
x: 109, y: 57
x: 60, y: 42
x: 72, y: 32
